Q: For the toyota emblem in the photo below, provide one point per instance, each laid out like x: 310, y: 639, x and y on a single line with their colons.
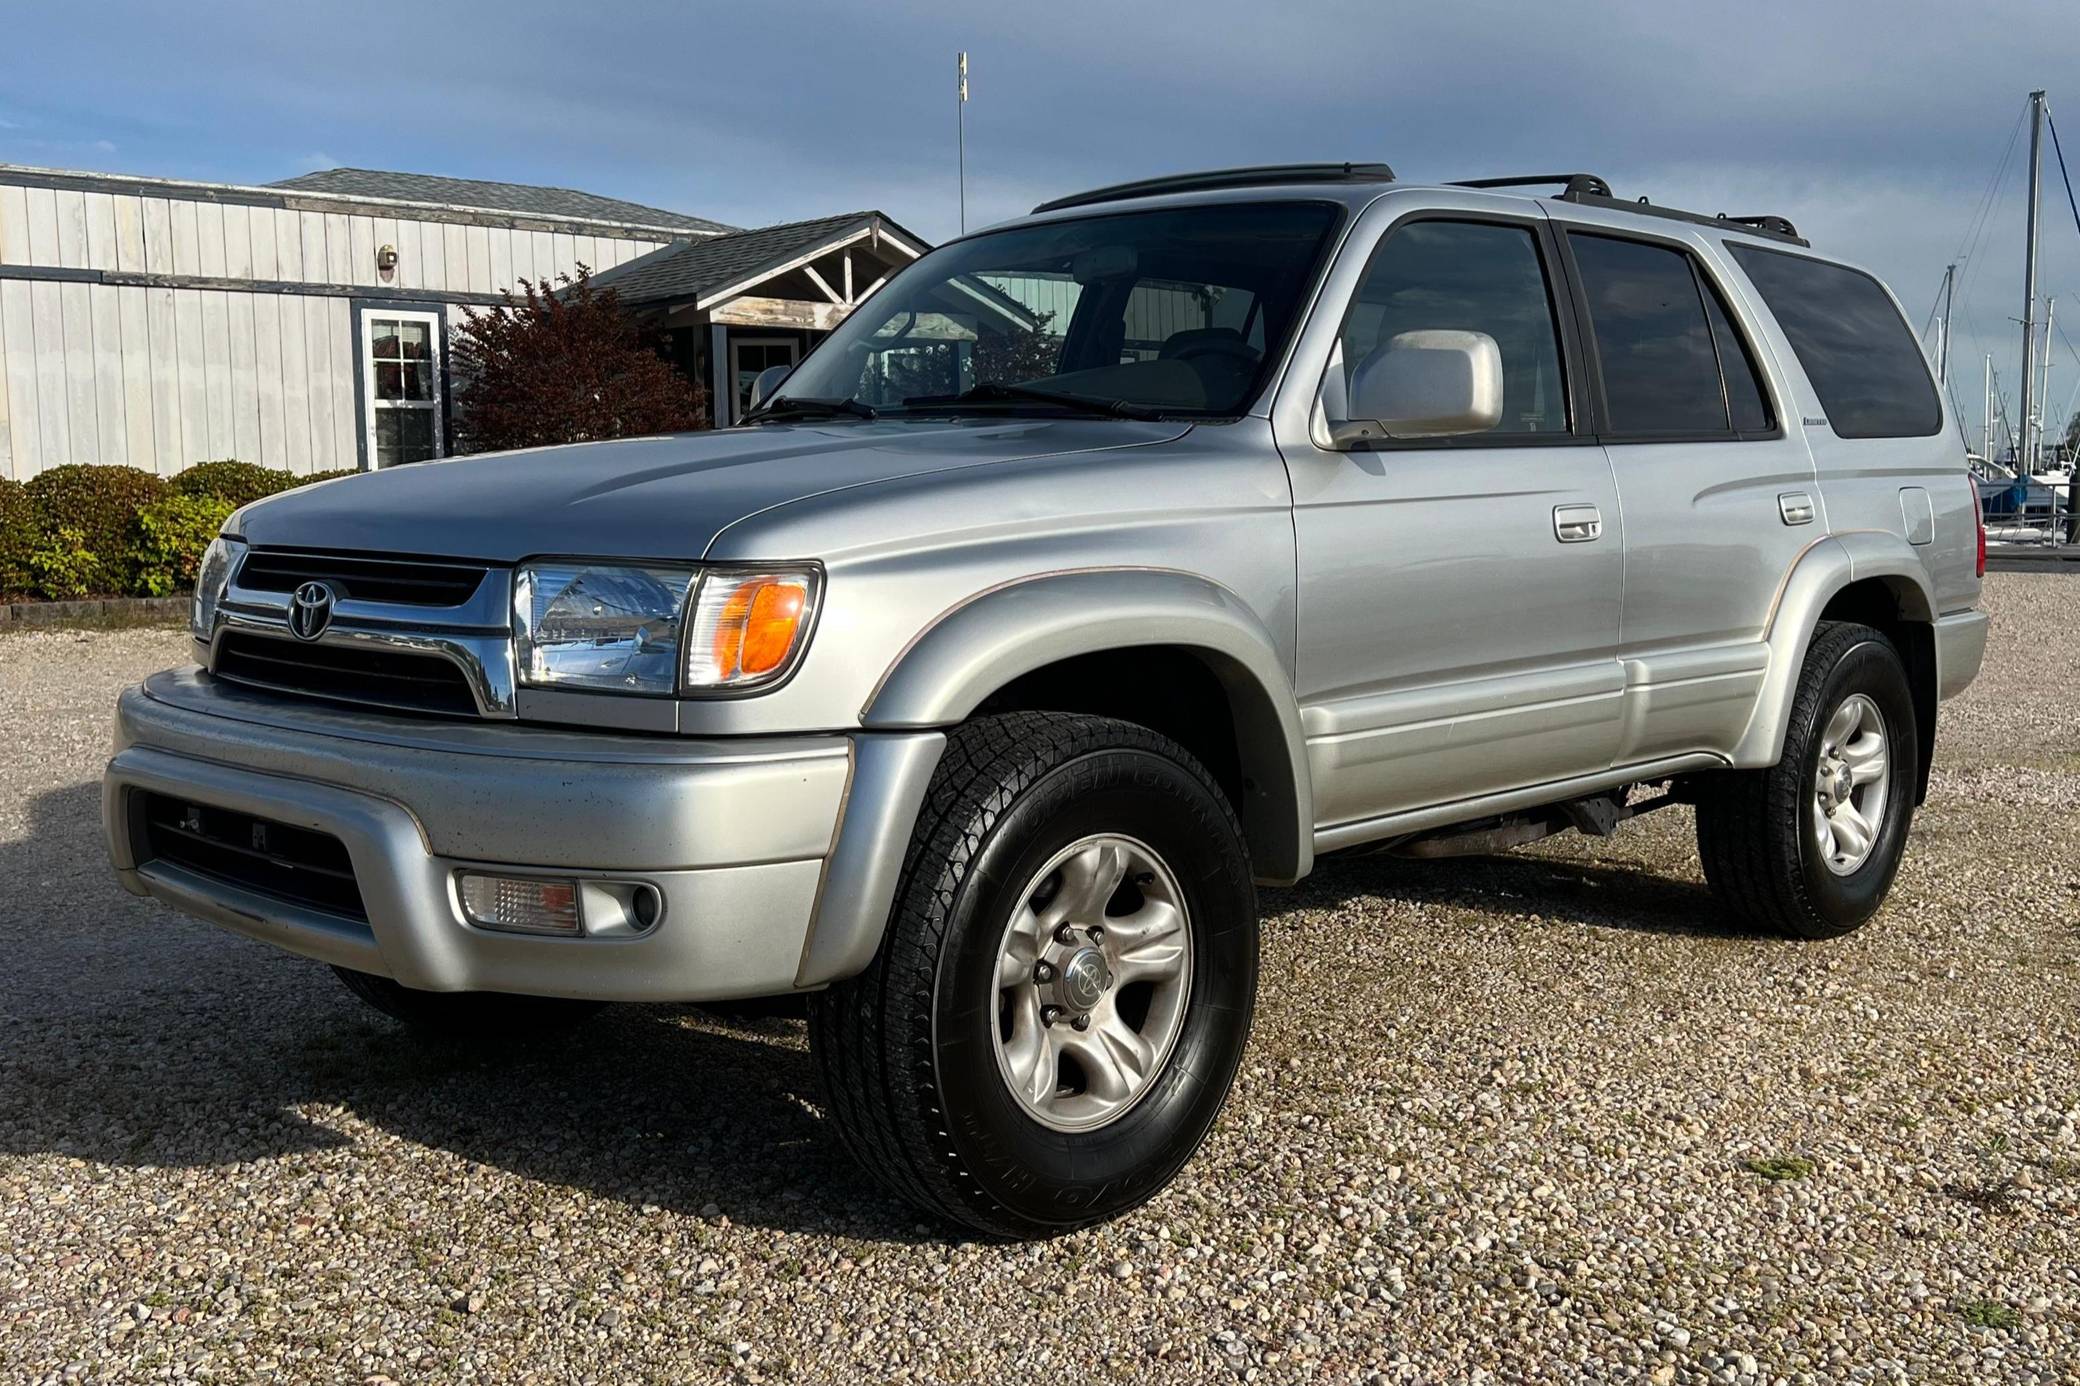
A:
x: 310, y: 610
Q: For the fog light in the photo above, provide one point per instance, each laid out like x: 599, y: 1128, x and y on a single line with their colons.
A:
x: 521, y: 904
x: 646, y: 905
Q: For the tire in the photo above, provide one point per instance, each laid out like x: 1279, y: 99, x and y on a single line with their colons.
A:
x: 1759, y: 831
x: 468, y: 1015
x: 913, y: 1052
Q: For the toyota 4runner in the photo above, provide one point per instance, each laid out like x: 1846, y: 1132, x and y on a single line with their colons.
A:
x: 1099, y: 567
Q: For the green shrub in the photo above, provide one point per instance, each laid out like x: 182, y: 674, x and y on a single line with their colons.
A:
x: 85, y: 515
x: 238, y: 482
x: 171, y: 537
x: 17, y: 537
x: 315, y: 477
x: 63, y: 567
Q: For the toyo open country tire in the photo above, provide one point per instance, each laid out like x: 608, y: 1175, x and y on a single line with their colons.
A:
x: 913, y: 1051
x: 468, y: 1015
x: 1810, y: 846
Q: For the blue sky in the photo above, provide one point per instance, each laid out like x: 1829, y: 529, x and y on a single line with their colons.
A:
x: 1875, y: 124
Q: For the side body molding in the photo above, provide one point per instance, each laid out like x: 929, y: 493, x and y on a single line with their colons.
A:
x: 1830, y: 564
x: 977, y: 647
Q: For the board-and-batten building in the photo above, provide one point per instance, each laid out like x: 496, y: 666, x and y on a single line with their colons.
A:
x: 304, y: 324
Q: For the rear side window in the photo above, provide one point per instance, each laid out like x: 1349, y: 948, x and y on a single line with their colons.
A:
x: 1660, y: 367
x: 1856, y: 349
x: 1745, y: 399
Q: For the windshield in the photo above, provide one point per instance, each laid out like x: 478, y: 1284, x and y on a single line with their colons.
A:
x: 1143, y: 313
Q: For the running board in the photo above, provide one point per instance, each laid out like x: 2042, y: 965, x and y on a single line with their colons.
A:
x: 1595, y: 815
x: 1400, y: 827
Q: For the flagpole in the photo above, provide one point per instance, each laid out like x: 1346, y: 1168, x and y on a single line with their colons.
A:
x: 961, y: 140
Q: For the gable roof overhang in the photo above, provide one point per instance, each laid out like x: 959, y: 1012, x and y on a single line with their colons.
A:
x: 692, y: 278
x: 704, y: 274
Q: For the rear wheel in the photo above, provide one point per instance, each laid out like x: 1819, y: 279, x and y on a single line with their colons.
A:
x: 1810, y: 846
x: 1066, y: 985
x: 468, y: 1014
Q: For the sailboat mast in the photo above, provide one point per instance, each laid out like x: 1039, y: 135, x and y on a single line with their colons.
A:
x: 2023, y: 453
x: 1986, y: 429
x: 2045, y: 423
x: 1943, y: 334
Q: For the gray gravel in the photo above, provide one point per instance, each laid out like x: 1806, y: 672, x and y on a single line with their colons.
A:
x: 1529, y: 1119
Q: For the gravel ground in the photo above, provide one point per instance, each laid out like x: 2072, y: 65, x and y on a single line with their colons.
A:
x: 1528, y: 1119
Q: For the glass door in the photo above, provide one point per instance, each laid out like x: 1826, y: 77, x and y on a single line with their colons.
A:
x: 401, y: 384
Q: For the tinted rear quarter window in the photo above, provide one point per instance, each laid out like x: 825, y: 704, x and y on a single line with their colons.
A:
x: 1856, y: 349
x: 1745, y: 397
x: 1660, y: 369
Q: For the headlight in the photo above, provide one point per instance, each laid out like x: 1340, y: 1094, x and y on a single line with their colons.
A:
x: 600, y: 627
x: 218, y: 562
x: 748, y: 626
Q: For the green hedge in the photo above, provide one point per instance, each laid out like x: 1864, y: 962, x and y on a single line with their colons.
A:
x: 241, y: 483
x: 17, y: 537
x: 85, y: 516
x: 83, y: 530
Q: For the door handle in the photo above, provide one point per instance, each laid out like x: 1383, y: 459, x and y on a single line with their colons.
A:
x: 1796, y: 507
x: 1577, y: 524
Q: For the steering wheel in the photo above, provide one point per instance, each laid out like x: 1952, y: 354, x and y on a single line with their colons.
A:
x: 1233, y: 351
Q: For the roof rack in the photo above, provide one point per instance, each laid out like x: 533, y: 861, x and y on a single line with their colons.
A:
x: 1255, y: 176
x: 1587, y: 190
x: 1774, y: 225
x: 1574, y: 183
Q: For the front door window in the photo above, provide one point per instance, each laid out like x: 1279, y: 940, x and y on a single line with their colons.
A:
x: 401, y: 382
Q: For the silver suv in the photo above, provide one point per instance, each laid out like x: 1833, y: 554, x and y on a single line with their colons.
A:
x: 1100, y: 567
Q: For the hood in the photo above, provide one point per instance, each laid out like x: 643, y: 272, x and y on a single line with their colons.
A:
x: 657, y: 498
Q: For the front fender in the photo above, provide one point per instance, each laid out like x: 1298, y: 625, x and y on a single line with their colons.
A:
x: 1827, y: 566
x: 984, y: 642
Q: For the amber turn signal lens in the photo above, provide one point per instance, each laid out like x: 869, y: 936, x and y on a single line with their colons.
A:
x: 746, y: 627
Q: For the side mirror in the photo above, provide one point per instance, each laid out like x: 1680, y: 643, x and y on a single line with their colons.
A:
x: 1431, y: 384
x: 768, y: 383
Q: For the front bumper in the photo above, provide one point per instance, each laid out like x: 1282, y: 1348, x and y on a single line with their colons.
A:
x: 775, y: 857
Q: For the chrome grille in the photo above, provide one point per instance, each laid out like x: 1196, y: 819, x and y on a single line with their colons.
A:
x: 424, y: 635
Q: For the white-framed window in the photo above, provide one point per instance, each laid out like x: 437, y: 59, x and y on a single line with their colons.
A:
x: 401, y: 385
x: 749, y: 356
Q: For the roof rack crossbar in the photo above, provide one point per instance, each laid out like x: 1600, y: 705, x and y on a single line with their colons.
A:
x: 1573, y: 183
x: 1768, y: 227
x: 1587, y: 190
x: 1775, y: 225
x: 1255, y: 176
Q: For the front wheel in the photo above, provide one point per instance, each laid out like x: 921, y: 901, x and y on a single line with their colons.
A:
x: 1809, y: 846
x: 1066, y: 985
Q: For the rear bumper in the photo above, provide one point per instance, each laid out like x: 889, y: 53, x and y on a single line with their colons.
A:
x: 1960, y: 650
x: 775, y: 857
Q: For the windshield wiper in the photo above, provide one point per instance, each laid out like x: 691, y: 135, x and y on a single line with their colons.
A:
x: 997, y: 392
x: 788, y: 407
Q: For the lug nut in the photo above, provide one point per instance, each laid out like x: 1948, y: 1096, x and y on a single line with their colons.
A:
x: 1065, y: 933
x: 1097, y: 932
x: 1043, y: 971
x: 1050, y: 1014
x: 1082, y: 1022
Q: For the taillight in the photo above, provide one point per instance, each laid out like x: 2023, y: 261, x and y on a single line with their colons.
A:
x: 1978, y: 519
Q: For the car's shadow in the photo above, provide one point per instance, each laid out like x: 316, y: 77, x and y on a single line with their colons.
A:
x: 1557, y: 888
x: 132, y: 1036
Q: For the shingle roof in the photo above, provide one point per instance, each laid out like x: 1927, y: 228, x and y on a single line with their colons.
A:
x: 522, y: 198
x: 687, y: 269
